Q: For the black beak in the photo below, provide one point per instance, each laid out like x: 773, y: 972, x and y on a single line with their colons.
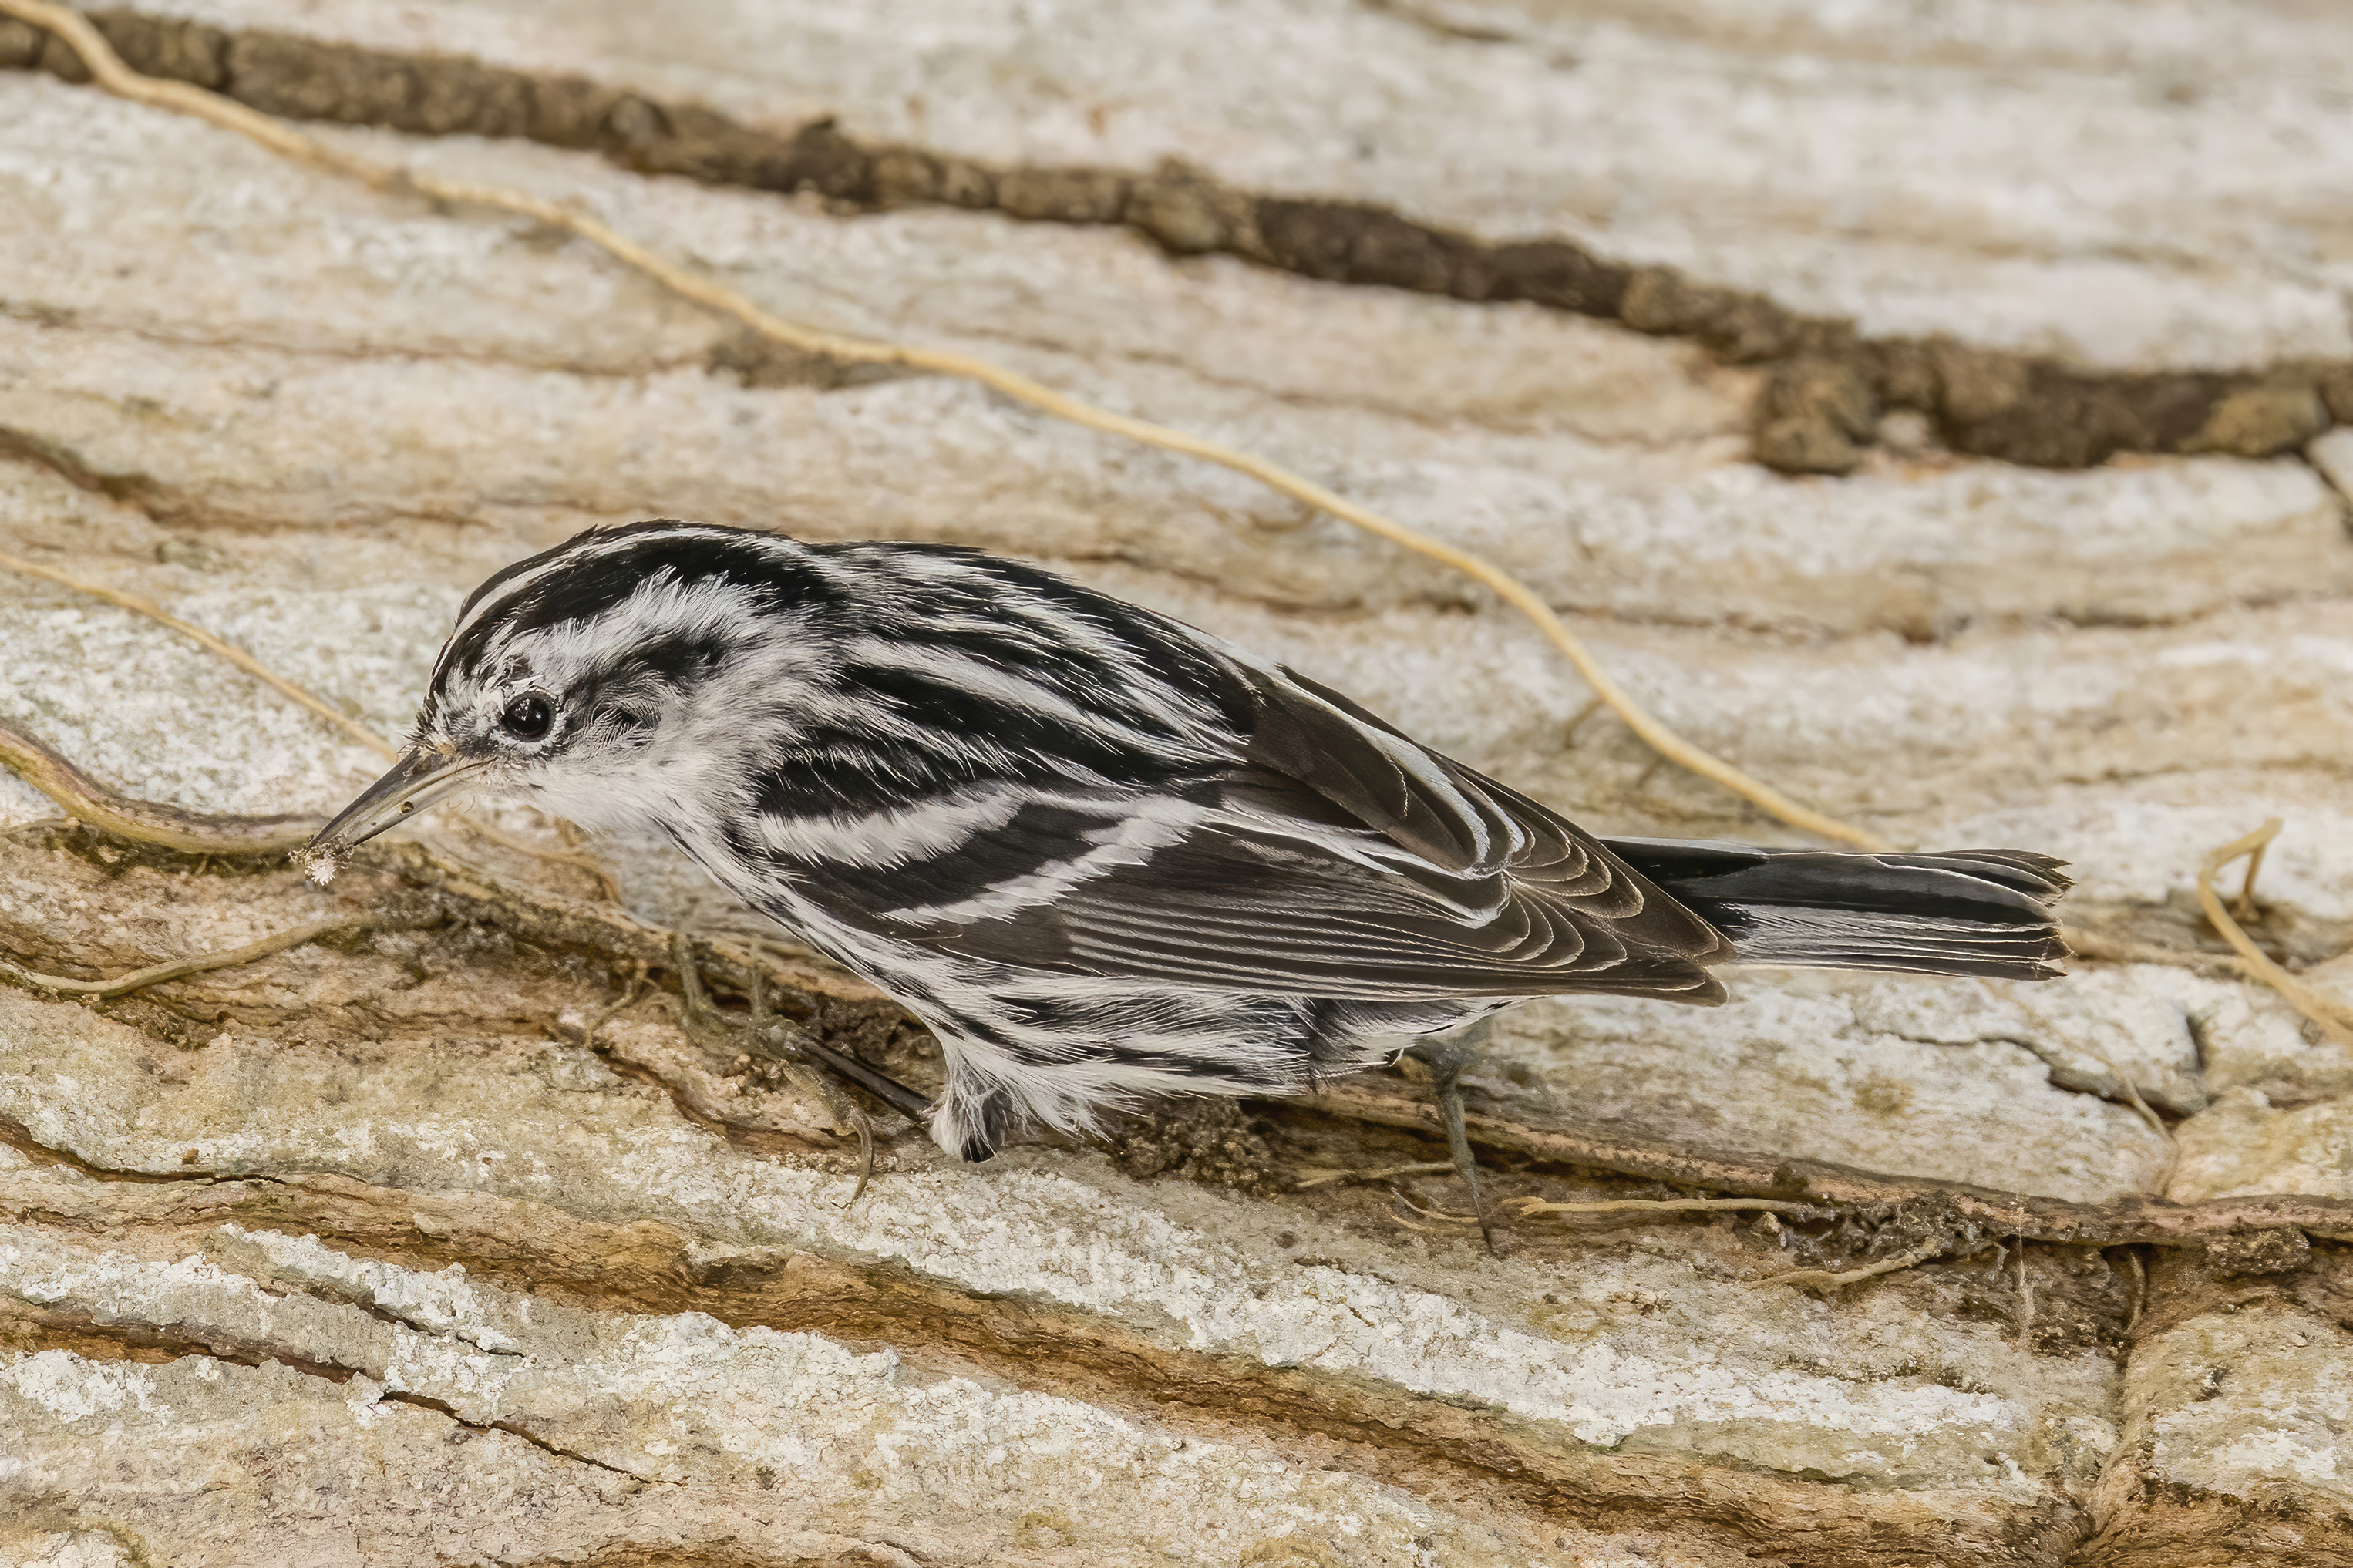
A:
x: 415, y: 782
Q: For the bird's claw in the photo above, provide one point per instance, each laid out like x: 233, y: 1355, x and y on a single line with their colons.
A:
x: 815, y: 1066
x: 1447, y: 1059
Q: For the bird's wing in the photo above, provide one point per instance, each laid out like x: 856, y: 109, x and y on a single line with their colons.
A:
x: 1338, y: 858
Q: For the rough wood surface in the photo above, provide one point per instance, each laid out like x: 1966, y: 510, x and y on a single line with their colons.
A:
x: 368, y: 1253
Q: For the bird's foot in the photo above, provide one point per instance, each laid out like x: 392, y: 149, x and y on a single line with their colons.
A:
x: 1447, y: 1059
x: 817, y: 1066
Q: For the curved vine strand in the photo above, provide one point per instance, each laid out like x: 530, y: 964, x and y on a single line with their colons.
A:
x: 204, y: 640
x: 195, y: 964
x: 2334, y: 1018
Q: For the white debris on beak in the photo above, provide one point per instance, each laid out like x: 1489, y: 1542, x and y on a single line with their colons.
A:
x: 413, y: 783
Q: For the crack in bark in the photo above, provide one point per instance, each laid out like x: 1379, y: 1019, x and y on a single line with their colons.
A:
x: 29, y: 1326
x: 360, y: 352
x: 1817, y: 412
x: 2062, y: 1072
x: 134, y: 489
x: 16, y: 1135
x: 1437, y: 26
x: 855, y: 1553
x: 443, y: 1407
x: 360, y: 1298
x: 161, y: 504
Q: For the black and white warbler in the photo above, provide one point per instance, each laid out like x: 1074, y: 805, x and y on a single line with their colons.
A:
x: 1100, y: 854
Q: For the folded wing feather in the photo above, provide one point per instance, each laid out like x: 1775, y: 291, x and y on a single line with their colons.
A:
x: 1343, y: 859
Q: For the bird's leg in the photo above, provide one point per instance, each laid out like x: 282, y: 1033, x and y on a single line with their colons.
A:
x: 1447, y: 1058
x: 827, y: 1068
x: 700, y: 1012
x: 784, y: 1037
x: 817, y: 1066
x: 774, y: 1033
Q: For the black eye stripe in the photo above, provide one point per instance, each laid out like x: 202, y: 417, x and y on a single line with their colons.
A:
x: 613, y: 565
x: 528, y: 717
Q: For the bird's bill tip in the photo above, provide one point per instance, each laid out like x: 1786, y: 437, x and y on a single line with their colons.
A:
x: 415, y: 782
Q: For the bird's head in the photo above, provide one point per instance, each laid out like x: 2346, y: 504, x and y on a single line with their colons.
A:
x: 597, y: 681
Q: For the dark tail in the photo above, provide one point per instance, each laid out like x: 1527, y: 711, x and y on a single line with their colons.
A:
x: 1966, y: 911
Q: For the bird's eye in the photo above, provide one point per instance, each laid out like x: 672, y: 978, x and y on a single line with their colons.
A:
x: 527, y: 717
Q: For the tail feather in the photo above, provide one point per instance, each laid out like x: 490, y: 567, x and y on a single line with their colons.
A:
x: 1965, y: 911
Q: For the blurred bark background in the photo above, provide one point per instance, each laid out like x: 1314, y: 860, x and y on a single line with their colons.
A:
x: 1931, y: 408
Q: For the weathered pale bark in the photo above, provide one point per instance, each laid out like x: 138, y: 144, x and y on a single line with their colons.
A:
x: 366, y: 1253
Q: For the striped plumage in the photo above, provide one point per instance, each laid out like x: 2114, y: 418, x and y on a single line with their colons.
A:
x: 1099, y: 853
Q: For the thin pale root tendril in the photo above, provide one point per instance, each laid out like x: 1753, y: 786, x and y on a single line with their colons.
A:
x: 136, y: 821
x: 1306, y: 1179
x: 1913, y: 1258
x: 196, y: 964
x: 1529, y: 1208
x: 204, y: 640
x: 2333, y: 1017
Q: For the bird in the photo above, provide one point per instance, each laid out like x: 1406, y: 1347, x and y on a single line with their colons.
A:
x: 1100, y: 854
